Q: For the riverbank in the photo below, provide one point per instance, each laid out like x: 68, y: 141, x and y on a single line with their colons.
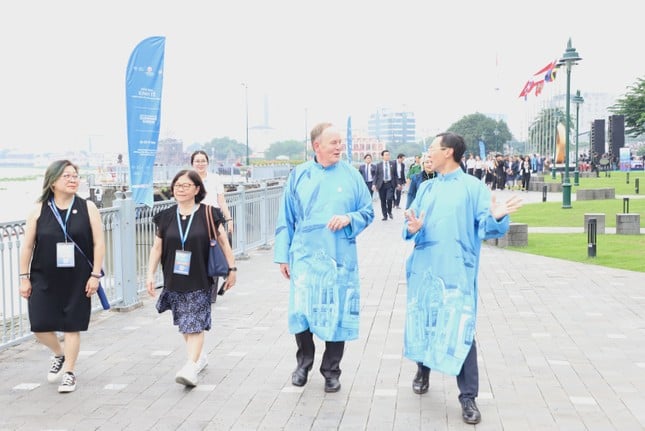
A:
x: 20, y: 188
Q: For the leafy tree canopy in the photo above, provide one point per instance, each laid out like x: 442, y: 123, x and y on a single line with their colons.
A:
x: 475, y: 126
x: 632, y: 106
x: 409, y: 149
x: 222, y: 149
x: 292, y: 149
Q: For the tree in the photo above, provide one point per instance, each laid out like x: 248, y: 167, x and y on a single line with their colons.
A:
x: 293, y: 149
x: 410, y: 149
x: 640, y: 152
x: 632, y: 106
x: 224, y: 149
x: 472, y: 127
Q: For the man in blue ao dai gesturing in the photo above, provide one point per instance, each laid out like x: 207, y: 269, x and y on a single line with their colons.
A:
x: 448, y: 219
x: 324, y: 207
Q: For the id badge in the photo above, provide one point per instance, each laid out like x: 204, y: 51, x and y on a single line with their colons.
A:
x: 65, y: 255
x: 182, y: 262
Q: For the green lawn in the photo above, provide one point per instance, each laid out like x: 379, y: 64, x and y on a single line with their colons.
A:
x: 618, y: 181
x: 544, y: 214
x: 614, y: 251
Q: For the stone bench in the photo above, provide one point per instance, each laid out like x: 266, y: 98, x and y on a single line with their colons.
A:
x: 593, y: 194
x: 536, y: 186
x: 517, y: 236
x: 600, y: 221
x: 628, y: 224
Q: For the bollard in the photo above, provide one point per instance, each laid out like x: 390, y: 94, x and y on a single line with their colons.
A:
x: 625, y: 205
x: 544, y: 193
x: 591, y: 238
x: 627, y: 178
x: 636, y: 185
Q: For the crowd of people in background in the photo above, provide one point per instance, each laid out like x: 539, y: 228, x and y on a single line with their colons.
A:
x: 497, y: 171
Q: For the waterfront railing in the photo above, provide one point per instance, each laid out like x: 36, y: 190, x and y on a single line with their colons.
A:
x: 129, y: 234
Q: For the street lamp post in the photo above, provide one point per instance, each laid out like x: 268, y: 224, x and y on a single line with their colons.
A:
x: 246, y: 109
x: 569, y: 58
x: 578, y: 100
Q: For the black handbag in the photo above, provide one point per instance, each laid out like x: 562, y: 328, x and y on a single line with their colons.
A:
x: 217, y: 264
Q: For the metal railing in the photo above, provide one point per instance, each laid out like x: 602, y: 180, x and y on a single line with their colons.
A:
x: 129, y: 234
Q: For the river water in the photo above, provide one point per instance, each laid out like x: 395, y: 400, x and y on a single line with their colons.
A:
x: 18, y: 195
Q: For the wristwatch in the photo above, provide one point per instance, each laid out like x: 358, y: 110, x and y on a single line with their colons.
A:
x: 233, y: 268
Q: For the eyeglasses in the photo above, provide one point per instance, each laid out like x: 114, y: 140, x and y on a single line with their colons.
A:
x: 184, y: 186
x: 69, y: 177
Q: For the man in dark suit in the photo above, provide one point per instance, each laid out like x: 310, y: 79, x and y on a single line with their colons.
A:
x: 385, y: 182
x: 400, y: 179
x: 368, y: 172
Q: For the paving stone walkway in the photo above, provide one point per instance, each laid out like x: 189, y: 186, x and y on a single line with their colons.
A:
x: 561, y: 347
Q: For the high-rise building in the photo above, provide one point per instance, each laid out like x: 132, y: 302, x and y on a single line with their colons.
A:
x: 392, y: 127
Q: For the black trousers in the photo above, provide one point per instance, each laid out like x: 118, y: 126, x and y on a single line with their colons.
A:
x: 397, y: 194
x: 386, y: 194
x: 468, y: 377
x: 525, y: 181
x: 369, y: 187
x: 330, y: 366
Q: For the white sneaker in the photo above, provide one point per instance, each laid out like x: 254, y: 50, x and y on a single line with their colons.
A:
x: 187, y: 375
x: 55, y: 369
x: 202, y: 362
x: 68, y: 384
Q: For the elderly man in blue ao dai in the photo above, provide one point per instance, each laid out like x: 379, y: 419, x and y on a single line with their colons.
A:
x: 448, y: 219
x: 324, y: 207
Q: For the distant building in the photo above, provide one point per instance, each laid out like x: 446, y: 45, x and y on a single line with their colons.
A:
x: 362, y: 145
x: 392, y: 127
x: 595, y: 107
x: 170, y: 151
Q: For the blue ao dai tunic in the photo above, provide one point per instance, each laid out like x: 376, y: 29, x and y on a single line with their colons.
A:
x: 442, y: 269
x: 324, y: 287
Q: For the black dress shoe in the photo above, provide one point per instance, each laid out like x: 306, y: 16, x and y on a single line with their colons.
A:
x: 421, y: 381
x: 470, y: 412
x: 384, y: 218
x: 332, y: 384
x: 299, y: 377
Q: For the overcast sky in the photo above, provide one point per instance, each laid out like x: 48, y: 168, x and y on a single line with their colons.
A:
x: 63, y: 63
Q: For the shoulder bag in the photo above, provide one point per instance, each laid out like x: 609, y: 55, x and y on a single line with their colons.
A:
x: 217, y: 264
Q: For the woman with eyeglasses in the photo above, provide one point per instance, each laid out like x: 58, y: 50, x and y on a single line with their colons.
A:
x: 60, y: 268
x: 213, y: 186
x: 182, y: 246
x: 214, y: 196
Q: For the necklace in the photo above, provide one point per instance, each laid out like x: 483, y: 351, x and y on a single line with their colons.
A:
x: 185, y: 216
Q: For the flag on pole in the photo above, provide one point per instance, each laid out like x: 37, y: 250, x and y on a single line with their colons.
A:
x: 349, y: 139
x: 143, y: 85
x: 546, y: 74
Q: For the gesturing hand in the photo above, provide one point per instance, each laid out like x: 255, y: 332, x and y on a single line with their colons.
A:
x: 499, y: 210
x: 414, y: 223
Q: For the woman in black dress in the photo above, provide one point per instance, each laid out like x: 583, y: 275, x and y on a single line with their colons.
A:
x: 182, y: 246
x: 55, y: 277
